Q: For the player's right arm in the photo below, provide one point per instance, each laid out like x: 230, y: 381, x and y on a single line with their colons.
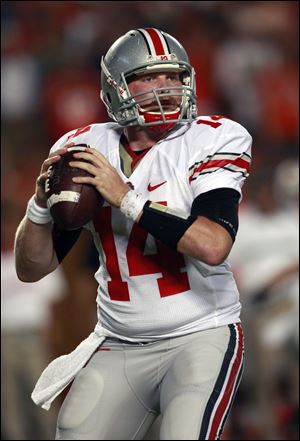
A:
x: 35, y: 256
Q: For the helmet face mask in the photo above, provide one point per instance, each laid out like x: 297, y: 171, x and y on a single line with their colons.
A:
x: 129, y: 57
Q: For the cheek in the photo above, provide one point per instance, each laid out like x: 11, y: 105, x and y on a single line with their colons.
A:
x: 178, y: 98
x: 138, y: 88
x: 135, y: 89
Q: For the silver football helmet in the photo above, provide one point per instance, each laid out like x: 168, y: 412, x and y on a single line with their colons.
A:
x: 142, y: 51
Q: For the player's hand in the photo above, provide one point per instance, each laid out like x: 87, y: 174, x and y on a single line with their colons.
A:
x: 104, y: 176
x: 40, y: 195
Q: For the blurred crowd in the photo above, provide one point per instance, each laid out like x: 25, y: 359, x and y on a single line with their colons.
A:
x: 245, y: 54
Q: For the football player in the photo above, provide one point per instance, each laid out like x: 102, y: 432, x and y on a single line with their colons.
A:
x: 168, y: 339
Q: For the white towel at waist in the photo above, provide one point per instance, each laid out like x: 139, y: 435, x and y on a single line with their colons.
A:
x: 61, y: 371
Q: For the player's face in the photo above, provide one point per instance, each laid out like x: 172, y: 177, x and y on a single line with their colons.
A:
x: 148, y: 82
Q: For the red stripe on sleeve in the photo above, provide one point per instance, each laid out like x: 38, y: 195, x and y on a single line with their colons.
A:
x: 220, y: 163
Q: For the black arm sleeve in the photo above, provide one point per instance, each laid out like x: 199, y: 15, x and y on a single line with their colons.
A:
x: 63, y: 241
x: 163, y: 225
x: 220, y: 206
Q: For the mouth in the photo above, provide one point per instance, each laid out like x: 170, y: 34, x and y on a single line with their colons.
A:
x: 167, y: 107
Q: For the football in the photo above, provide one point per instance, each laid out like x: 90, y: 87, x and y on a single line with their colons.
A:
x: 71, y: 205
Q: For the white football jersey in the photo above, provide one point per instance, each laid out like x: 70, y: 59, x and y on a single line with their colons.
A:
x: 147, y: 291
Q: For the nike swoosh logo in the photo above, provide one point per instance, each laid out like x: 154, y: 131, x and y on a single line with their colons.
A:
x: 154, y: 187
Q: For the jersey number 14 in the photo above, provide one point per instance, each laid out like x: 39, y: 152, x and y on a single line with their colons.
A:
x: 170, y: 264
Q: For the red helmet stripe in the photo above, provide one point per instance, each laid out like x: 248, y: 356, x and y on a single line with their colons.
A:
x: 156, y: 41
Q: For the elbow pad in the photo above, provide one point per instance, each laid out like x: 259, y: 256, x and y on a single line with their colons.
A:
x: 63, y: 241
x: 220, y: 206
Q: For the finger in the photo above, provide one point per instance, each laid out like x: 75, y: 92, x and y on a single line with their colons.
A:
x: 93, y: 159
x: 41, y: 179
x: 97, y: 154
x: 49, y: 161
x: 58, y: 152
x: 87, y: 166
x: 62, y: 150
x: 55, y: 156
x: 84, y: 180
x: 52, y: 159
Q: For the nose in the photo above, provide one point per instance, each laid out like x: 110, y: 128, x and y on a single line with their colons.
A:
x: 163, y: 82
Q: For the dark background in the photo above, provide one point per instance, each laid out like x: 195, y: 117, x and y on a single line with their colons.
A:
x: 245, y: 54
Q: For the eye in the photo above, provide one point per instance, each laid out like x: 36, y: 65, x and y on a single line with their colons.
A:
x: 147, y: 79
x: 173, y: 77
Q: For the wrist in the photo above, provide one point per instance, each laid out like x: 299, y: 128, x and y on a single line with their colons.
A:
x: 39, y: 203
x: 132, y: 205
x: 121, y: 197
x: 36, y: 213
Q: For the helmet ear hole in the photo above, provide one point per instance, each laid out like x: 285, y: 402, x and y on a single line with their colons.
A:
x: 108, y: 97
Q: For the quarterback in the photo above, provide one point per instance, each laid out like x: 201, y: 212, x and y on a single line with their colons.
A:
x: 168, y: 340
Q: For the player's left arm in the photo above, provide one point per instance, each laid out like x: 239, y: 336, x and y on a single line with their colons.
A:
x: 208, y: 233
x: 211, y: 235
x: 206, y: 241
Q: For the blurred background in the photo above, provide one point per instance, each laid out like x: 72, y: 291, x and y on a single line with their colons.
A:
x: 245, y: 54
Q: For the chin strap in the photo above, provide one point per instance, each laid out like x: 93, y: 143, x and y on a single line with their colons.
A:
x: 151, y: 117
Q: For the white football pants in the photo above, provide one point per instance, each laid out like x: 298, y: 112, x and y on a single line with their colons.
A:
x: 190, y: 380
